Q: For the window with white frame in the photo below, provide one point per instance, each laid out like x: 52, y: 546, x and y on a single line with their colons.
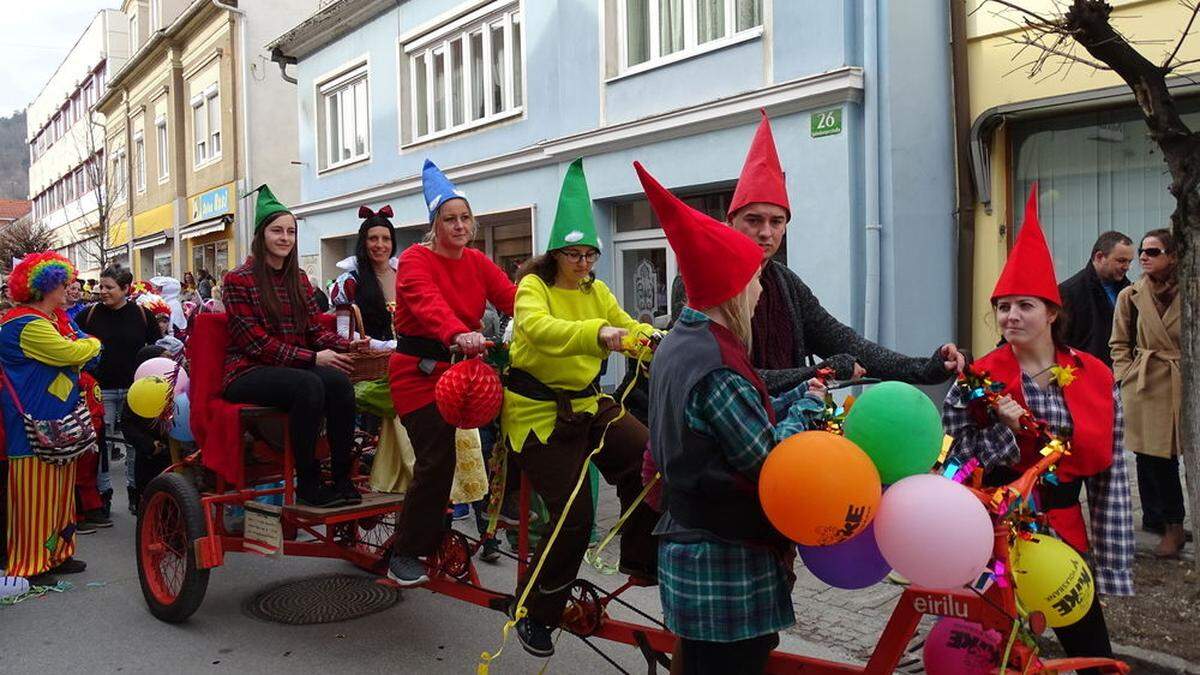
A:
x: 133, y: 33
x: 344, y: 118
x: 160, y: 147
x: 214, y: 120
x: 139, y: 161
x: 119, y: 177
x: 206, y: 125
x: 467, y: 73
x: 653, y: 31
x: 155, y: 15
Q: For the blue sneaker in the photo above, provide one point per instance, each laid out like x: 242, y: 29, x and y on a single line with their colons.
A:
x: 462, y: 511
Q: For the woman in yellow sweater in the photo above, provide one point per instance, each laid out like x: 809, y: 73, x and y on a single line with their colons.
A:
x: 566, y: 323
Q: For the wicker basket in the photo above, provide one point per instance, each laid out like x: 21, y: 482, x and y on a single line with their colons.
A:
x: 367, y: 365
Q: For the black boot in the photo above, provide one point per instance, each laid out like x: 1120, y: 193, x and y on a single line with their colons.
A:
x: 135, y: 500
x: 342, y: 485
x: 311, y: 491
x: 106, y: 497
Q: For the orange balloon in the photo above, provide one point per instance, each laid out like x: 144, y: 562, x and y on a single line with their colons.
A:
x: 818, y: 488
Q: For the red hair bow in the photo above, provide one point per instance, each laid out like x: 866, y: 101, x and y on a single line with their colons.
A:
x: 365, y: 211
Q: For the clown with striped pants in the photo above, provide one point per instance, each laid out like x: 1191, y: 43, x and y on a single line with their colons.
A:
x: 41, y: 354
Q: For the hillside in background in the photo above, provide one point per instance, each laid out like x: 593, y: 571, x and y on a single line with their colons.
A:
x: 14, y: 157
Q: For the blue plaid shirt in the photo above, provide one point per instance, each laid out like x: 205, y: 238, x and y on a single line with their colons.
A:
x: 1109, y: 502
x: 715, y: 590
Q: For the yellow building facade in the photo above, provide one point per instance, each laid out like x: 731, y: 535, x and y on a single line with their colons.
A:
x: 1074, y: 129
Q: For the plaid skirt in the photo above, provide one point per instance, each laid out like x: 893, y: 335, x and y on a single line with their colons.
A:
x: 722, y: 592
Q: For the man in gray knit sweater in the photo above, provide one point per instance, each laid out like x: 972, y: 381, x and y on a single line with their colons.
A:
x: 790, y: 327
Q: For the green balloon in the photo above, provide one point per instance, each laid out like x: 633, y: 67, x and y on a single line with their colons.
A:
x: 898, y: 427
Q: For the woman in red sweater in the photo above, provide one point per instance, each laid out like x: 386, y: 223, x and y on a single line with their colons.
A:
x: 441, y: 289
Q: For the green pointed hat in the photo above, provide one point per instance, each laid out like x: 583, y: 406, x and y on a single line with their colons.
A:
x: 266, y: 206
x: 574, y: 224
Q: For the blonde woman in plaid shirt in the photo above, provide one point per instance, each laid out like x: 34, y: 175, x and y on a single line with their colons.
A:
x: 725, y: 574
x: 1074, y: 393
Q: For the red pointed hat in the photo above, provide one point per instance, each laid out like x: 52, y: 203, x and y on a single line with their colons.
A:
x: 716, y: 261
x: 762, y: 176
x: 1030, y: 267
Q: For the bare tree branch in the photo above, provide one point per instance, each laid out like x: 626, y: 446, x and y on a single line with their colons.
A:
x: 1052, y: 50
x: 1187, y: 29
x: 1035, y: 16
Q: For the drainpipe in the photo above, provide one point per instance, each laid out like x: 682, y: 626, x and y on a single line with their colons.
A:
x: 247, y: 205
x: 965, y: 208
x: 284, y: 61
x: 128, y: 177
x: 871, y: 304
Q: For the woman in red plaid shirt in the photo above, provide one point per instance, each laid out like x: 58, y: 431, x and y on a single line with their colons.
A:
x: 280, y: 356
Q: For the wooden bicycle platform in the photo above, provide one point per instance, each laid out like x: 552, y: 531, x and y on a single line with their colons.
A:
x: 370, y: 502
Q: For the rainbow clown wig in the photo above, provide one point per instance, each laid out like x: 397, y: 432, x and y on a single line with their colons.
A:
x: 38, y: 274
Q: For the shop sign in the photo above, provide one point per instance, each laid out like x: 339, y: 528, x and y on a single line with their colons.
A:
x: 211, y: 204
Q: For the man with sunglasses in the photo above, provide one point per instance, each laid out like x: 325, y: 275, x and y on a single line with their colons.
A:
x: 1090, y: 296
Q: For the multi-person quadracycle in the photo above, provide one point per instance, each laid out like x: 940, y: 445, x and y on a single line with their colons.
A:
x: 184, y: 532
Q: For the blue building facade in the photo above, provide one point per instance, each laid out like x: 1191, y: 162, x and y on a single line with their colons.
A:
x: 503, y: 94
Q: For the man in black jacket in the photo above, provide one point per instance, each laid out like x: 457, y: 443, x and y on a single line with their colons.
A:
x: 791, y: 329
x: 1090, y: 296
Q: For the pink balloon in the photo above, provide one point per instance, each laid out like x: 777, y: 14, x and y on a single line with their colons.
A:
x: 934, y: 531
x: 162, y: 367
x: 958, y: 647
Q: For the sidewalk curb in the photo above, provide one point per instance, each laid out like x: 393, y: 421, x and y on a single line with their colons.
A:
x: 1164, y: 660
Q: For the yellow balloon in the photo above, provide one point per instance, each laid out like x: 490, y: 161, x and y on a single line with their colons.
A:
x: 1053, y: 579
x: 149, y: 396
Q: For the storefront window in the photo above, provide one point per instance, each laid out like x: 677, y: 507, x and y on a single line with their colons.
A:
x: 162, y: 263
x: 213, y: 257
x: 1096, y: 171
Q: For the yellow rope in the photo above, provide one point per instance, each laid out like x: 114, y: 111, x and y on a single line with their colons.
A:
x: 593, y: 555
x: 521, y: 611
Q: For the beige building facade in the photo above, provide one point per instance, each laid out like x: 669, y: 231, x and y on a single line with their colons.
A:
x: 180, y: 132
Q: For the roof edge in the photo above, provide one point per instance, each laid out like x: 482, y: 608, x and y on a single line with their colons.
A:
x: 326, y: 25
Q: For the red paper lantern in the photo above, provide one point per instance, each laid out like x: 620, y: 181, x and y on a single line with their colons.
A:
x: 469, y: 394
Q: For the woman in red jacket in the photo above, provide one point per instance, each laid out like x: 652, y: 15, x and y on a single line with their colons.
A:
x: 441, y: 288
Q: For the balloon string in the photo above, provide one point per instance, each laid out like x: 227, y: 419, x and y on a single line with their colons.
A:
x: 1012, y: 637
x: 521, y: 611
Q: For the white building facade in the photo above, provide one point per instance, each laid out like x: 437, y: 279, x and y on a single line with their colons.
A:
x: 66, y: 141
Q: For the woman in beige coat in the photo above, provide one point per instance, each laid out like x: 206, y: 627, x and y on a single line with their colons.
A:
x: 1146, y: 352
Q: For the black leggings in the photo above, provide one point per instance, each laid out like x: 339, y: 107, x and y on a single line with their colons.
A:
x: 309, y: 395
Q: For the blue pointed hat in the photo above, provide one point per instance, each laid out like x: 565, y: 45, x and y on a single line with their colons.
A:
x: 438, y: 188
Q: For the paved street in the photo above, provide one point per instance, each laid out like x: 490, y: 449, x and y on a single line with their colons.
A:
x: 106, y: 629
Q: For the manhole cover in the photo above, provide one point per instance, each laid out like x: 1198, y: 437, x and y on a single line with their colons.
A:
x: 323, y: 599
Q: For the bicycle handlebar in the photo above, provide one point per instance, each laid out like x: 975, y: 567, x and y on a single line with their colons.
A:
x: 455, y: 349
